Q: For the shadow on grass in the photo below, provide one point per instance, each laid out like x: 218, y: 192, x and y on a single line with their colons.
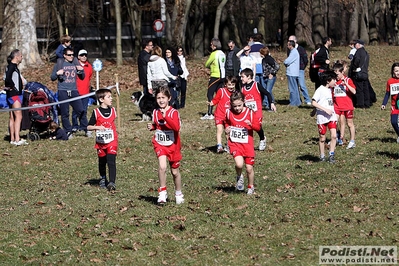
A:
x: 311, y: 141
x: 137, y: 117
x: 283, y: 102
x: 308, y: 157
x: 210, y: 149
x: 391, y: 155
x: 383, y: 140
x: 150, y: 199
x: 230, y: 189
x: 93, y: 182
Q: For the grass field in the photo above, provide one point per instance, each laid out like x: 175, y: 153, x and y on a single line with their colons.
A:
x: 54, y: 213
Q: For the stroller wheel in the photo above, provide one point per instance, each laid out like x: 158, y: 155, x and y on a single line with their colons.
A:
x: 31, y: 136
x: 37, y: 136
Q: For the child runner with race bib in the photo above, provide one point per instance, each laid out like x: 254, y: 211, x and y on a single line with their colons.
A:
x: 166, y: 141
x: 240, y: 123
x: 103, y: 122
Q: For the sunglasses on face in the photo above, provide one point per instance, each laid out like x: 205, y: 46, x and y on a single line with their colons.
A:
x: 69, y: 54
x: 85, y: 55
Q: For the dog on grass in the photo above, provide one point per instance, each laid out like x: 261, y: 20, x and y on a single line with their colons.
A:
x: 146, y: 104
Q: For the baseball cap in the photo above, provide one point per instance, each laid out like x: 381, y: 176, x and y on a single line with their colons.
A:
x: 360, y: 42
x: 82, y: 52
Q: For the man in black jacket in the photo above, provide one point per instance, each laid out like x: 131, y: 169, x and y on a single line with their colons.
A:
x: 358, y: 71
x: 322, y: 58
x: 142, y: 62
x: 232, y: 65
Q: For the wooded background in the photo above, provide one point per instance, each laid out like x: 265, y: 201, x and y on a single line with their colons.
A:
x: 118, y: 24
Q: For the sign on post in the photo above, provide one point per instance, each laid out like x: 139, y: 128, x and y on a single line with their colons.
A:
x: 97, y: 66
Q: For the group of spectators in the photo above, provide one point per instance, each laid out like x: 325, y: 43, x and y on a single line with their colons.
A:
x: 163, y: 68
x: 73, y: 76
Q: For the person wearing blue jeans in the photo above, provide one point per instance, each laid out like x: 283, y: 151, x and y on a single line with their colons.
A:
x: 269, y: 84
x: 303, y: 61
x: 269, y: 74
x: 66, y: 75
x: 292, y: 72
x: 303, y: 88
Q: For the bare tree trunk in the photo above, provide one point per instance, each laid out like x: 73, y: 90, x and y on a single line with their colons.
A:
x: 373, y: 31
x: 319, y: 24
x: 119, y: 60
x: 179, y: 21
x: 303, y: 22
x: 217, y: 18
x: 262, y: 18
x: 56, y: 9
x: 236, y: 38
x: 286, y: 13
x: 364, y: 21
x: 135, y: 13
x: 19, y: 32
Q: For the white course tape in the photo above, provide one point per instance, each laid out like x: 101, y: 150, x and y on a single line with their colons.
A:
x: 55, y: 103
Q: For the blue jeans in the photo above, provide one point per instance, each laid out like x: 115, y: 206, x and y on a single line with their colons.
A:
x: 302, y: 85
x: 80, y: 124
x: 64, y: 108
x: 269, y: 84
x: 295, y: 99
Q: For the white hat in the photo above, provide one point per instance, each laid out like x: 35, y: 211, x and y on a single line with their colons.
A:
x: 82, y: 52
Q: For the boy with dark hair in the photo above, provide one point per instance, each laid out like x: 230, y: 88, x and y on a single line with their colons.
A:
x: 326, y: 117
x: 103, y: 122
x: 253, y: 92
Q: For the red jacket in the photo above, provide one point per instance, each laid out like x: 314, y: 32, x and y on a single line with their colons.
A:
x: 84, y: 85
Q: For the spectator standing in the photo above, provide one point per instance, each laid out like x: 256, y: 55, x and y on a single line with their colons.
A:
x: 67, y: 89
x: 157, y: 71
x: 256, y: 44
x: 269, y: 77
x: 358, y: 71
x: 279, y: 39
x: 14, y: 83
x: 216, y: 64
x: 322, y: 58
x: 232, y: 61
x: 83, y: 87
x: 183, y: 77
x: 303, y: 62
x: 174, y: 67
x: 292, y: 63
x: 246, y: 59
x: 352, y: 52
x: 142, y: 62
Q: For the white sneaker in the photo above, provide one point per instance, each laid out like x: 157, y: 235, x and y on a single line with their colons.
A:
x: 397, y: 140
x: 13, y: 142
x: 162, y: 196
x: 205, y: 117
x: 179, y: 199
x: 20, y: 142
x: 211, y: 117
x: 351, y: 145
x: 251, y: 190
x: 240, y: 183
x: 262, y: 145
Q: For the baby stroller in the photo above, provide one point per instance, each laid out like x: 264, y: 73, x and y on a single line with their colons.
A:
x: 40, y: 116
